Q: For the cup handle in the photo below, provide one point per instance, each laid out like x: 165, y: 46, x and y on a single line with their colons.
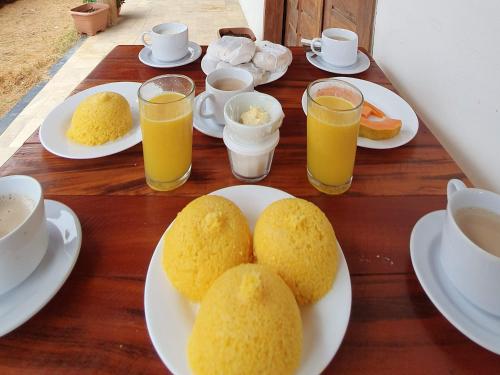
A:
x: 200, y: 107
x: 454, y: 185
x: 144, y: 40
x: 313, y: 42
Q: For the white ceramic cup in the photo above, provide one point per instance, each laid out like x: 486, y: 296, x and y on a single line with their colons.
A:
x: 169, y: 41
x: 23, y: 248
x: 473, y: 271
x: 212, y: 101
x: 339, y: 47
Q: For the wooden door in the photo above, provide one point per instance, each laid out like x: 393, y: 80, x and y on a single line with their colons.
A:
x: 355, y: 15
x: 307, y: 18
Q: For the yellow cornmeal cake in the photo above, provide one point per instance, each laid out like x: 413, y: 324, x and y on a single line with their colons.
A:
x: 248, y: 324
x: 209, y: 236
x: 100, y: 118
x: 296, y: 239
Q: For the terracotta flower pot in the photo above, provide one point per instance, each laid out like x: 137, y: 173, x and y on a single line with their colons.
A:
x: 90, y: 22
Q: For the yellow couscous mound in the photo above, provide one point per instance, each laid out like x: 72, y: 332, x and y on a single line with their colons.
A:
x: 248, y: 324
x: 209, y: 236
x: 100, y: 118
x: 296, y: 239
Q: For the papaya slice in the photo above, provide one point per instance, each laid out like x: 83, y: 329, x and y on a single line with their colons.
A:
x: 384, y: 129
x: 370, y: 110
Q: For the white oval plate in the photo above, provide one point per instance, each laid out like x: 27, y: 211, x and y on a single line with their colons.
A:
x: 208, y: 65
x: 170, y: 317
x: 54, y: 127
x: 362, y: 63
x: 389, y: 102
x: 65, y: 238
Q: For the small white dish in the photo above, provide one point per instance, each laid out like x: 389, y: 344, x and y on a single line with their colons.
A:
x: 54, y: 127
x: 65, y: 238
x: 207, y: 126
x: 170, y: 317
x: 209, y: 64
x: 146, y: 57
x: 425, y: 246
x: 362, y: 64
x: 388, y: 101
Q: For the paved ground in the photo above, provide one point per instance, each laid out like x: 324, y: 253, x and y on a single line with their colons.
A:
x: 204, y: 18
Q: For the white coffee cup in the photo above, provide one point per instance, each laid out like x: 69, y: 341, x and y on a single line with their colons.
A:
x: 473, y: 271
x: 339, y: 47
x: 169, y: 41
x: 212, y: 101
x: 22, y: 249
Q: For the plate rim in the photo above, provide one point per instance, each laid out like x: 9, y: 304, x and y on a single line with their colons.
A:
x: 21, y: 319
x: 418, y: 260
x: 340, y: 70
x: 156, y: 254
x: 370, y: 143
x: 73, y: 101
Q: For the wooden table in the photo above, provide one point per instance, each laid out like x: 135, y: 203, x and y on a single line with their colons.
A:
x: 96, y: 322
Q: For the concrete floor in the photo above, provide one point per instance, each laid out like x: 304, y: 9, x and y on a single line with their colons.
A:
x: 204, y: 18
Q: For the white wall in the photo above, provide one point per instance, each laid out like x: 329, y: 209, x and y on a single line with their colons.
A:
x: 444, y: 58
x: 254, y: 13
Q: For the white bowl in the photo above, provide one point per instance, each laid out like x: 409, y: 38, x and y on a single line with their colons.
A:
x: 241, y: 103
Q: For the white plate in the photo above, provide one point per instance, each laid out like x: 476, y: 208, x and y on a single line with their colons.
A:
x: 392, y: 104
x: 207, y: 126
x: 479, y: 326
x: 146, y: 57
x: 170, y: 317
x: 362, y: 63
x: 54, y: 127
x: 65, y: 237
x: 208, y: 65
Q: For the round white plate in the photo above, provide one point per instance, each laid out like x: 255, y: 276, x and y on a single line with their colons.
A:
x: 65, y: 238
x: 361, y: 64
x: 54, y: 127
x: 170, y: 317
x: 388, y: 101
x: 207, y: 126
x: 208, y: 65
x: 146, y: 57
x: 479, y: 326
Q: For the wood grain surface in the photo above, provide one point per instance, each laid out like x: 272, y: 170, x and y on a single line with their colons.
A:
x: 95, y: 323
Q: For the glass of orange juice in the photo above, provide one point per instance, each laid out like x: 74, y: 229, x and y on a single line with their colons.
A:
x: 166, y: 112
x: 333, y: 115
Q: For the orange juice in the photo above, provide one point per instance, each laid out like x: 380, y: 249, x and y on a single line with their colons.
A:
x: 167, y: 133
x: 332, y: 132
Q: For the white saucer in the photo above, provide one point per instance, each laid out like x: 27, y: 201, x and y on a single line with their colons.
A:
x: 389, y: 102
x: 207, y: 126
x: 146, y: 57
x: 170, y: 317
x: 53, y: 129
x: 209, y: 64
x: 361, y: 64
x: 65, y: 237
x: 479, y: 326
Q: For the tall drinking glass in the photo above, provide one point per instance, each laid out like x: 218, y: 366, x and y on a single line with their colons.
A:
x: 333, y: 115
x: 166, y: 111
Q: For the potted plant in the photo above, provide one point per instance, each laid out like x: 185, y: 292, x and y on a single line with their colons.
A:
x: 90, y: 17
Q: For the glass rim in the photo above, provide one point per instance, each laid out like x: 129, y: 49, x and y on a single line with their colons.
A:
x: 335, y: 80
x: 191, y: 90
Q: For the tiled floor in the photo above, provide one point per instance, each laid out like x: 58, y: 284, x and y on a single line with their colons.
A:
x: 204, y: 18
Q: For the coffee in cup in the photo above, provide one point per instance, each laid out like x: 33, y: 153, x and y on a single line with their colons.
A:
x: 470, y: 252
x: 169, y: 41
x: 339, y: 47
x: 221, y: 85
x: 23, y: 229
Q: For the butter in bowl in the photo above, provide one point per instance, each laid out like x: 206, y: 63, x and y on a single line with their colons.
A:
x: 251, y: 134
